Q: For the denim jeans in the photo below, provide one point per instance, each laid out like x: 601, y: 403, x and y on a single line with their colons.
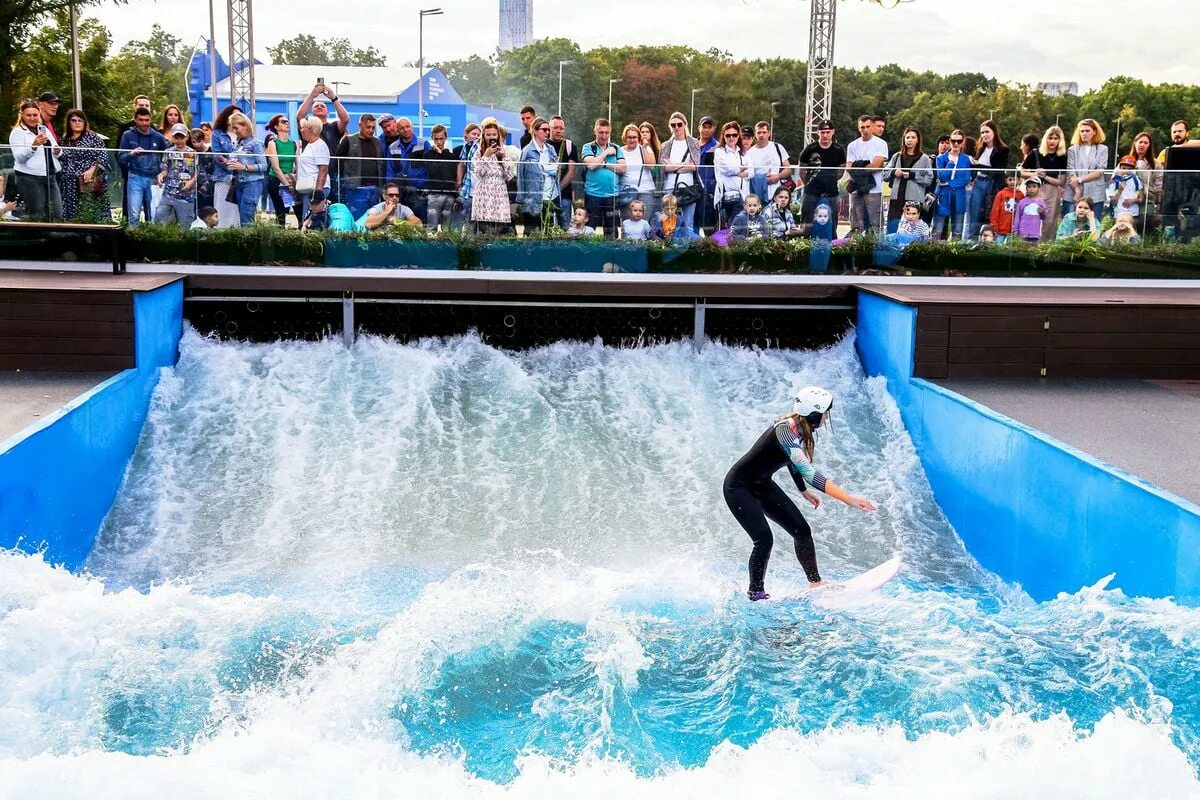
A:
x: 359, y: 198
x: 139, y: 196
x: 249, y: 193
x: 177, y: 210
x: 978, y: 209
x: 42, y: 196
x: 439, y: 210
x: 865, y: 210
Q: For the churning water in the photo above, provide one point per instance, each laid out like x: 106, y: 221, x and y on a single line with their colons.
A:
x: 445, y: 570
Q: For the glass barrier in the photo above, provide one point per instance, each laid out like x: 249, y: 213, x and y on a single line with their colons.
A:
x: 523, y: 210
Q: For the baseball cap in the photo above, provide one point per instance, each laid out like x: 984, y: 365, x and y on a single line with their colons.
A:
x: 825, y: 125
x: 318, y: 196
x: 747, y: 130
x: 48, y: 97
x: 707, y: 120
x: 179, y: 129
x: 386, y: 118
x: 1034, y: 179
x: 1128, y: 161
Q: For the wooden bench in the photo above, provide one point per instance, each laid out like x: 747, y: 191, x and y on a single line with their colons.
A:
x: 115, y: 232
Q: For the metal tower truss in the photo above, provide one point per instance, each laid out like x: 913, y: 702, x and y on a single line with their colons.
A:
x: 241, y: 55
x: 818, y: 104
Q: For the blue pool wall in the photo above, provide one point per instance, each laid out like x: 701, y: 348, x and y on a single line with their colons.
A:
x: 1030, y: 508
x: 58, y: 478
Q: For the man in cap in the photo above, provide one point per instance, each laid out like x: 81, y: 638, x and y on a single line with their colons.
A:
x: 387, y: 130
x: 48, y: 105
x: 821, y: 164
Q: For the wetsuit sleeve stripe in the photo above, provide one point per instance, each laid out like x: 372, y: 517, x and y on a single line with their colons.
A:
x: 797, y: 458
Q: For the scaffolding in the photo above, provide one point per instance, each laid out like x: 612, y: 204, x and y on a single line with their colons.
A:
x: 818, y: 103
x: 241, y: 56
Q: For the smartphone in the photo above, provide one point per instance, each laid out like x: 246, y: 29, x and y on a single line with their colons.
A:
x: 43, y: 130
x: 320, y: 81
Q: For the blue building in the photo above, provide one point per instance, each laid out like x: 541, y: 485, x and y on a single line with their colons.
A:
x: 280, y: 89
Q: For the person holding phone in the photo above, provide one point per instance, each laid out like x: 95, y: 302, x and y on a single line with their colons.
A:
x: 36, y: 164
x: 492, y: 170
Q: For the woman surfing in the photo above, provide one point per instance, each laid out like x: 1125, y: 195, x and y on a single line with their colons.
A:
x: 754, y: 497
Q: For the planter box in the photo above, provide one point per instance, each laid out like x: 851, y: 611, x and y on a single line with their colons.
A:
x: 391, y: 254
x: 561, y: 256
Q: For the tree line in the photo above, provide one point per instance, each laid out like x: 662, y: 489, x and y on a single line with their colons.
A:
x: 654, y: 81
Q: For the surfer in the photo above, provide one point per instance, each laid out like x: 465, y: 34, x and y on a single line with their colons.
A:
x: 753, y: 496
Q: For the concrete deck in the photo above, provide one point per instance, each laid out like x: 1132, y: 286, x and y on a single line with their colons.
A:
x: 29, y: 397
x: 1147, y: 428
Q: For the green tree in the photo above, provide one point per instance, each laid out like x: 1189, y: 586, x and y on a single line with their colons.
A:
x: 335, y: 52
x: 156, y: 67
x: 45, y: 65
x: 19, y: 21
x: 474, y: 78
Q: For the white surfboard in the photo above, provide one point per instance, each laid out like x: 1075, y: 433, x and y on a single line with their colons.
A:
x: 848, y: 592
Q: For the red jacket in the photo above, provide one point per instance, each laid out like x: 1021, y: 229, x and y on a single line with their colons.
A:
x: 1003, y: 208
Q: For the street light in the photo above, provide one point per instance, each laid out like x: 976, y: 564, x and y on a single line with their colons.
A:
x: 425, y: 12
x: 1117, y: 144
x: 561, y: 64
x: 992, y: 114
x: 692, y: 115
x: 774, y: 103
x: 611, y: 81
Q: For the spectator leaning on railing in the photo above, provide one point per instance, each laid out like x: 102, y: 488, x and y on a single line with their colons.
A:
x: 909, y: 172
x: 465, y: 153
x: 1086, y: 159
x: 442, y: 164
x: 733, y: 182
x: 281, y: 156
x: 36, y: 164
x: 178, y: 179
x: 141, y: 151
x: 248, y: 163
x: 605, y: 166
x: 312, y: 166
x: 83, y: 182
x: 567, y: 155
x: 537, y: 179
x: 222, y: 146
x: 953, y: 174
x: 490, y: 210
x: 361, y: 162
x: 868, y: 153
x: 821, y: 164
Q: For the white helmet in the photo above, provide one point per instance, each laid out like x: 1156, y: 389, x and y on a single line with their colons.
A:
x: 812, y: 400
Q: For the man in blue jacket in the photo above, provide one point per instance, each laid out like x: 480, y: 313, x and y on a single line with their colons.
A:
x: 406, y: 167
x: 141, y: 150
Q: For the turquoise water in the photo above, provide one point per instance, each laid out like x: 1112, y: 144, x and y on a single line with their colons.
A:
x: 451, y: 571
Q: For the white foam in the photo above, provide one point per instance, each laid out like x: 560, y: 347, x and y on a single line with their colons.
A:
x: 1012, y: 756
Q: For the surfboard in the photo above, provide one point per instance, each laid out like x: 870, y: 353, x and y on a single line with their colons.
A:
x: 856, y: 589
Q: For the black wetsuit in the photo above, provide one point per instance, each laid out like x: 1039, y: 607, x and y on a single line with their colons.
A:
x: 753, y: 497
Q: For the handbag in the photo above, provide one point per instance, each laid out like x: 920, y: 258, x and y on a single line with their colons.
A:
x: 96, y: 187
x: 692, y: 192
x: 306, y: 184
x: 231, y: 196
x: 628, y: 194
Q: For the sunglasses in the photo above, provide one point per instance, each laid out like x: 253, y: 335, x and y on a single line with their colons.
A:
x: 545, y: 129
x: 676, y: 124
x: 956, y: 141
x: 391, y: 196
x: 732, y: 135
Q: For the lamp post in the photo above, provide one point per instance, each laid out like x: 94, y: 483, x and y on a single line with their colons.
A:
x: 425, y: 12
x: 1117, y: 144
x: 611, y: 81
x: 774, y: 103
x: 76, y: 75
x: 692, y: 113
x: 212, y: 58
x: 561, y: 64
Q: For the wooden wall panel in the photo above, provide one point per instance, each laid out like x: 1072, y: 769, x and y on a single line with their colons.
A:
x: 70, y: 330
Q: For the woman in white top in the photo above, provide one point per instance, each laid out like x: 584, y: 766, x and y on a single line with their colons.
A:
x: 639, y: 177
x: 680, y: 157
x: 1086, y: 159
x: 312, y: 165
x: 35, y: 156
x: 732, y: 174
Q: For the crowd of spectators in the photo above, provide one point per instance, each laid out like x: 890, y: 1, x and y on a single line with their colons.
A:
x: 733, y: 181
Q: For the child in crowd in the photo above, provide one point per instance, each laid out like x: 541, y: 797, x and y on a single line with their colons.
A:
x: 205, y: 219
x: 318, y: 213
x: 911, y: 226
x: 178, y: 179
x: 1005, y: 206
x: 579, y: 224
x: 1125, y: 191
x: 751, y: 223
x: 1031, y: 212
x: 636, y: 227
x: 1123, y: 231
x: 1080, y: 223
x: 987, y: 235
x: 668, y: 220
x: 780, y: 213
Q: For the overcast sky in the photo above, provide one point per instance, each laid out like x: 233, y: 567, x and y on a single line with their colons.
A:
x: 1154, y: 40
